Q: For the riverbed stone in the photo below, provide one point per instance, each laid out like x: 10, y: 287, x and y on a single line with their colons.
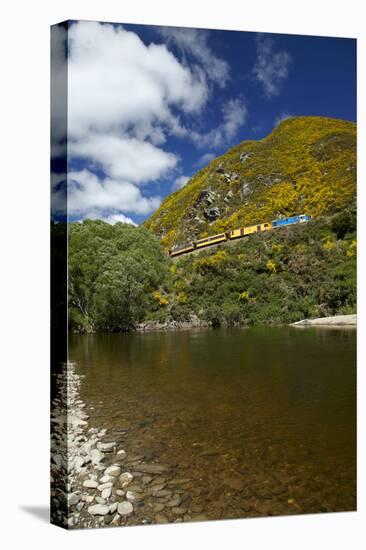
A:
x: 106, y: 447
x: 175, y: 501
x: 152, y: 468
x: 103, y: 486
x: 112, y: 471
x: 125, y: 479
x: 98, y: 510
x: 113, y: 507
x: 125, y: 508
x: 96, y: 456
x: 106, y: 479
x: 160, y: 518
x: 90, y: 484
x: 122, y: 454
x: 106, y: 493
x: 146, y: 479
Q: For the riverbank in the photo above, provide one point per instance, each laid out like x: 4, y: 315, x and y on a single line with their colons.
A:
x: 335, y: 321
x: 95, y: 483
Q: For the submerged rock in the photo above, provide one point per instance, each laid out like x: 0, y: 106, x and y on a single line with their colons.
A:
x: 125, y: 508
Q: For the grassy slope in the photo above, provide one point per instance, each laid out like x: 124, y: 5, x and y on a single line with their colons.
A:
x: 279, y: 276
x: 307, y: 164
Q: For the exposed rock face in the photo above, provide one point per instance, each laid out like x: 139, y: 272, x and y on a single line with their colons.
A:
x: 212, y: 214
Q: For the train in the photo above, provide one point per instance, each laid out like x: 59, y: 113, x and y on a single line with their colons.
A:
x: 236, y: 234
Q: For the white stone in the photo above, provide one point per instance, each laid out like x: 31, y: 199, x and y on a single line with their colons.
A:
x: 100, y: 500
x: 122, y: 453
x: 113, y: 471
x: 106, y: 493
x: 130, y: 496
x: 125, y: 508
x: 90, y: 483
x: 115, y: 520
x: 96, y: 456
x: 113, y: 507
x: 105, y: 479
x: 120, y: 493
x: 106, y: 447
x: 98, y: 510
x: 125, y: 479
x: 103, y: 486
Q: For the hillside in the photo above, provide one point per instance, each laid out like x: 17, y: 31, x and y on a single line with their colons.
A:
x: 306, y: 165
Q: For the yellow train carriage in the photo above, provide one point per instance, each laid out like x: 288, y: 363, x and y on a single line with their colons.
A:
x: 207, y: 241
x: 183, y: 249
x: 243, y: 231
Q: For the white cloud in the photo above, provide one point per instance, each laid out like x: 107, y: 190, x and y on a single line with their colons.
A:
x: 89, y: 195
x: 271, y: 67
x: 124, y: 158
x: 112, y: 218
x: 281, y: 117
x: 117, y: 82
x: 205, y: 159
x: 234, y: 116
x: 193, y: 43
x: 180, y: 182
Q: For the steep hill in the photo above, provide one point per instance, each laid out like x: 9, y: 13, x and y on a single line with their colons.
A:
x: 306, y: 165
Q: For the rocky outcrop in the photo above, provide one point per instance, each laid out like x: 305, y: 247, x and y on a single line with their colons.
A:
x: 336, y: 321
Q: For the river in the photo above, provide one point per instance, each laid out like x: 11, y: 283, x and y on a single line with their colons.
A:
x: 249, y: 422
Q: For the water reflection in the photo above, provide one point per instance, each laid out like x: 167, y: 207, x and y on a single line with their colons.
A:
x: 260, y: 421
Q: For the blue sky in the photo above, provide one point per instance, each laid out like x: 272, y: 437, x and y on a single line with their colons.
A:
x: 149, y: 106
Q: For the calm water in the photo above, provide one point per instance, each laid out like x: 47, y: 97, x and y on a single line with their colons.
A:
x: 250, y: 421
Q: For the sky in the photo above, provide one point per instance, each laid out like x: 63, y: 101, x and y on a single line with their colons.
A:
x: 149, y: 106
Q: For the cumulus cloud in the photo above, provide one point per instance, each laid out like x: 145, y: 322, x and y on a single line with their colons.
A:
x: 124, y: 99
x: 271, y: 67
x: 194, y: 45
x: 88, y: 195
x: 234, y: 114
x: 180, y: 182
x: 112, y: 218
x: 124, y: 158
x: 117, y: 82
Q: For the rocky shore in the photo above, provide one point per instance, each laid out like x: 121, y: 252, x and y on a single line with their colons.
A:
x: 335, y: 321
x: 94, y: 483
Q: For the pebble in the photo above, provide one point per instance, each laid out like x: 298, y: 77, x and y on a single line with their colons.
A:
x: 100, y: 500
x: 96, y: 456
x: 120, y: 493
x: 103, y: 486
x: 151, y: 468
x: 106, y: 493
x: 90, y: 483
x: 98, y: 510
x: 113, y: 507
x: 73, y: 499
x: 116, y: 520
x: 125, y: 508
x: 112, y: 471
x: 105, y: 479
x: 176, y: 501
x: 179, y: 511
x: 106, y: 447
x: 122, y: 454
x: 146, y: 479
x: 125, y: 479
x: 159, y: 518
x: 132, y: 497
